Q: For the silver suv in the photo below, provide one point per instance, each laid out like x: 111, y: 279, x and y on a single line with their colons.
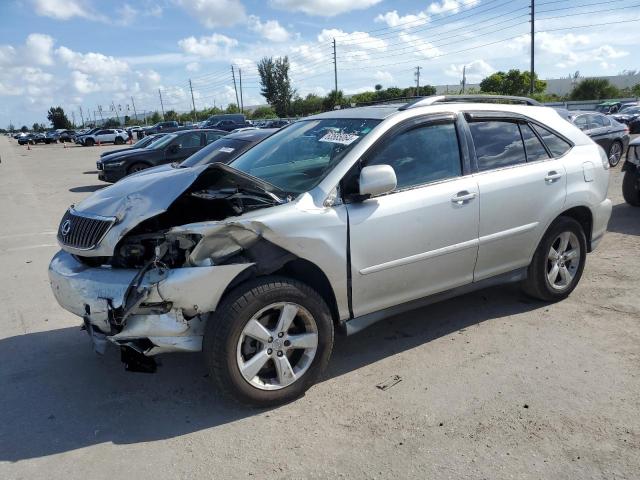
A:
x: 332, y: 223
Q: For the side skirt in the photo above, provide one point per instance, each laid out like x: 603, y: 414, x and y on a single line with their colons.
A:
x: 360, y: 323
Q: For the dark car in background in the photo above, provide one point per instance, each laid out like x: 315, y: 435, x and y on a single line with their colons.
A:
x: 165, y: 127
x: 51, y: 136
x: 142, y: 143
x: 631, y: 179
x: 67, y: 135
x: 173, y: 147
x: 236, y: 118
x: 277, y: 123
x: 229, y: 125
x: 24, y: 139
x: 612, y: 136
x: 39, y: 138
x: 630, y: 116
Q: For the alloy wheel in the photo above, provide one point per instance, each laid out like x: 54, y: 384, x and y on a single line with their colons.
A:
x: 277, y: 346
x: 563, y: 261
x: 615, y: 154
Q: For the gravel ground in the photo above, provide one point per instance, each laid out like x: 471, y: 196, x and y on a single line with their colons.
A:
x: 493, y: 385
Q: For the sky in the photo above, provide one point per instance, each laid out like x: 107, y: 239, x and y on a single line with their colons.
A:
x: 97, y: 54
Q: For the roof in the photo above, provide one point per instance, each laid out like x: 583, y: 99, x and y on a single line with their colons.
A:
x: 378, y: 112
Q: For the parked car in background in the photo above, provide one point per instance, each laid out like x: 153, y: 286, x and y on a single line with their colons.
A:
x: 336, y: 222
x: 39, y: 138
x: 173, y: 147
x: 236, y: 118
x: 609, y: 107
x: 229, y: 125
x: 165, y: 127
x: 631, y: 179
x: 142, y: 143
x: 52, y: 136
x: 79, y: 138
x: 107, y: 135
x: 630, y: 116
x: 278, y: 123
x: 26, y: 138
x: 67, y: 135
x: 612, y: 136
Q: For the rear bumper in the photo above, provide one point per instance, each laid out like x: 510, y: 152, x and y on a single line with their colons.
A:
x: 601, y: 216
x: 171, y: 312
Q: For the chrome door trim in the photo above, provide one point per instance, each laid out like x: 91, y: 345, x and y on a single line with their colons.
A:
x: 420, y: 256
x: 507, y: 233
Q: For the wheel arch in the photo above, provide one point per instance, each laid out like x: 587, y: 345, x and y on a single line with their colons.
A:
x: 580, y: 213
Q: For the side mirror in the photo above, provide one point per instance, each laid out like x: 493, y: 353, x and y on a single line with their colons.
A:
x: 377, y: 179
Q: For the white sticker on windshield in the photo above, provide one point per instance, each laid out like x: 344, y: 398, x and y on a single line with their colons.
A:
x: 227, y: 149
x: 341, y: 138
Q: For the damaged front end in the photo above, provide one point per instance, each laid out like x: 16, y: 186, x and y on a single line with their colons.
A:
x: 145, y: 262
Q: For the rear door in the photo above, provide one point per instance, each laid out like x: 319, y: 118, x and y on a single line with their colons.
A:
x: 599, y: 130
x: 421, y: 238
x: 189, y: 144
x: 521, y: 188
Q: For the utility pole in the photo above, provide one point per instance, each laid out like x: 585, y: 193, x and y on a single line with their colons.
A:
x: 135, y: 114
x: 464, y: 77
x: 82, y: 117
x: 418, y: 81
x: 335, y: 67
x: 161, y: 104
x: 100, y: 112
x: 241, y: 100
x: 533, y: 40
x: 195, y: 119
x: 233, y: 74
x: 115, y: 110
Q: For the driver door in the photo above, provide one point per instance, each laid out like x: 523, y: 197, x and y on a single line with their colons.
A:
x: 422, y: 238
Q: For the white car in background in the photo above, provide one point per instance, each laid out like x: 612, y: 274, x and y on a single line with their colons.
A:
x: 107, y: 135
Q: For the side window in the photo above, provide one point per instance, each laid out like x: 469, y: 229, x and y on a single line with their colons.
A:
x: 498, y: 144
x: 212, y: 137
x: 532, y: 144
x: 596, y: 121
x: 421, y: 155
x: 606, y: 121
x: 556, y: 145
x: 191, y: 140
x: 581, y: 122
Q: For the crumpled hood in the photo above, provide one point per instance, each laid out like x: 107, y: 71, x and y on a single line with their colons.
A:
x: 144, y: 195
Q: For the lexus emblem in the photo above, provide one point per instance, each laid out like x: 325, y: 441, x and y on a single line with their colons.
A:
x: 65, y: 228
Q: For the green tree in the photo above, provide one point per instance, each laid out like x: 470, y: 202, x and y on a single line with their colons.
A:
x: 170, y: 115
x: 263, y: 112
x: 11, y: 127
x: 232, y: 108
x: 24, y: 128
x: 594, y: 89
x: 378, y: 87
x: 111, y: 123
x: 58, y: 118
x: 513, y: 82
x: 35, y: 127
x: 275, y: 83
x: 154, y: 118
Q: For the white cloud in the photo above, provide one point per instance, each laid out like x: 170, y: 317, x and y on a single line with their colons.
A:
x: 61, y: 9
x: 324, y: 8
x: 476, y: 70
x: 82, y: 83
x: 359, y: 39
x: 450, y: 6
x: 92, y: 63
x: 420, y: 46
x: 393, y: 19
x: 208, y: 47
x: 383, y: 77
x: 193, y: 67
x: 215, y: 13
x: 38, y: 48
x: 271, y: 29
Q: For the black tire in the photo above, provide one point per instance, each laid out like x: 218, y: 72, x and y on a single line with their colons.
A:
x: 615, y: 143
x: 137, y: 167
x: 89, y: 142
x: 537, y: 284
x: 630, y: 189
x: 226, y: 324
x: 118, y: 141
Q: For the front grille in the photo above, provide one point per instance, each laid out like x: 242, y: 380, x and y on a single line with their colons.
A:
x: 99, y: 165
x: 83, y: 233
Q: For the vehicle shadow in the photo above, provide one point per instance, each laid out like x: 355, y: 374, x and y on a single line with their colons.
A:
x: 59, y: 396
x: 91, y: 172
x: 87, y: 188
x: 625, y: 219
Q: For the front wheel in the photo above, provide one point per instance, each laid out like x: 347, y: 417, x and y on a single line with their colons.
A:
x: 558, y: 262
x: 631, y: 188
x: 137, y: 167
x: 268, y: 341
x: 89, y: 142
x: 118, y: 141
x: 615, y: 153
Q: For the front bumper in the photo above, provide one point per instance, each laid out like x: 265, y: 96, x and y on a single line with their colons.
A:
x: 111, y: 175
x: 170, y: 314
x: 601, y: 216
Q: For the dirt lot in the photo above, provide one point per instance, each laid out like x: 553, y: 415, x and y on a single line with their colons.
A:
x: 494, y: 385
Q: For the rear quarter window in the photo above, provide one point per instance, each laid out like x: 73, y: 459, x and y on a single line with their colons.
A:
x: 498, y: 144
x: 556, y: 145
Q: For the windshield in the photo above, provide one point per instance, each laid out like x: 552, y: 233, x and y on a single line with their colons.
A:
x: 298, y: 157
x: 163, y: 142
x: 222, y: 150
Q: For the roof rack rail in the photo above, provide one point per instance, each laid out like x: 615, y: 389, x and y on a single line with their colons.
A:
x: 424, y: 101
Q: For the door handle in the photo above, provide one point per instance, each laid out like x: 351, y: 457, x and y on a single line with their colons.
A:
x: 552, y: 177
x: 462, y: 197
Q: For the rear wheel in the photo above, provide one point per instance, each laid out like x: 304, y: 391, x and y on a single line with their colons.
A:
x: 630, y: 188
x: 558, y: 262
x: 615, y: 153
x: 118, y: 141
x: 268, y: 341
